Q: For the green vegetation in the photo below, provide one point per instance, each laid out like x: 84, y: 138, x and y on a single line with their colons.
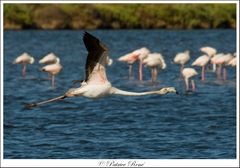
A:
x: 117, y: 16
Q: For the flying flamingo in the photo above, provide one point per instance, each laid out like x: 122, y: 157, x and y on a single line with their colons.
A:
x: 53, y: 70
x: 130, y: 58
x: 24, y: 59
x: 210, y: 51
x: 189, y: 73
x: 201, y: 61
x: 223, y: 60
x: 96, y: 84
x: 181, y: 59
x: 153, y: 61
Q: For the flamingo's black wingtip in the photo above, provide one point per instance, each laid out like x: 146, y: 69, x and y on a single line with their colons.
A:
x: 86, y: 34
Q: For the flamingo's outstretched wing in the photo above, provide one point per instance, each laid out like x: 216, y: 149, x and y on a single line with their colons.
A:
x: 96, y: 59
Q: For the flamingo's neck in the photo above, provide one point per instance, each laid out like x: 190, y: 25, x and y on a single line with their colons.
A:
x: 126, y: 93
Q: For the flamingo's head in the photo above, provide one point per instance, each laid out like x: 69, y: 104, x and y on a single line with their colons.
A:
x: 167, y: 90
x: 71, y: 92
x: 32, y: 60
x: 109, y: 61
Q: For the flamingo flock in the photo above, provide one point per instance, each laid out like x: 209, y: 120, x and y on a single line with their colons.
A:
x: 96, y: 83
x: 51, y: 61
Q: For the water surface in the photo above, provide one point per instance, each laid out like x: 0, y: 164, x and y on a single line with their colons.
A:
x: 200, y: 125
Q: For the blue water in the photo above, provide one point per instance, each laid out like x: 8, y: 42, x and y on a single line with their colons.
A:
x: 198, y: 125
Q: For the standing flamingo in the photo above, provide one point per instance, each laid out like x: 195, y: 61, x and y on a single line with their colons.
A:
x: 96, y: 84
x: 50, y: 58
x: 130, y: 58
x: 218, y: 66
x: 189, y: 73
x: 210, y: 51
x: 153, y: 61
x: 24, y: 59
x: 181, y: 59
x: 201, y: 61
x: 223, y: 60
x: 53, y: 69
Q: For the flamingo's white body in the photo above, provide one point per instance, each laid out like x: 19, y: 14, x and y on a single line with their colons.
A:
x: 24, y: 59
x: 96, y: 84
x: 50, y: 58
x: 215, y: 57
x: 139, y: 54
x: 210, y: 51
x: 153, y: 61
x: 181, y: 59
x: 201, y: 61
x: 188, y: 73
x: 129, y: 58
x: 224, y: 59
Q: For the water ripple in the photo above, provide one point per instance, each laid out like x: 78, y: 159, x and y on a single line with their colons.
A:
x: 201, y: 124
